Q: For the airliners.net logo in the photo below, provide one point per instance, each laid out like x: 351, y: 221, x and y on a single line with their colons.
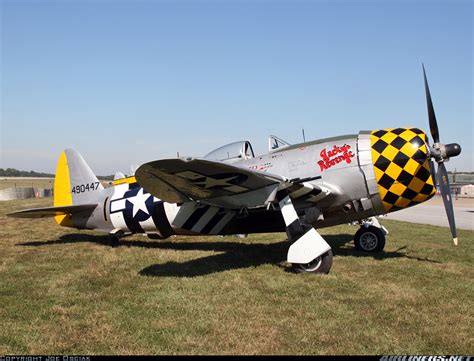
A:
x: 427, y: 358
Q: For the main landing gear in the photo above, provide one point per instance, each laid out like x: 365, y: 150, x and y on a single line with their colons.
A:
x: 321, y: 264
x: 308, y: 252
x: 371, y: 236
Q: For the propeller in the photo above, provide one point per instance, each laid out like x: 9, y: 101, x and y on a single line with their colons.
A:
x: 441, y: 153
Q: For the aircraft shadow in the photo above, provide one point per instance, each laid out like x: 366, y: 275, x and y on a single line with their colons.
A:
x: 234, y: 255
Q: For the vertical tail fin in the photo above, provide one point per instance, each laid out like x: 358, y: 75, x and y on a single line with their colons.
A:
x: 74, y: 184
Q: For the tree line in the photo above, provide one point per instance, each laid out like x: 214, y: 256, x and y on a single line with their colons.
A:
x: 12, y: 172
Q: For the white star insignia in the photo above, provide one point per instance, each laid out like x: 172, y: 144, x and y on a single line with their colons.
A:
x: 139, y: 202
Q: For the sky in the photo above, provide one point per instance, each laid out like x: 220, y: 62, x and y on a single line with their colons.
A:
x: 126, y: 82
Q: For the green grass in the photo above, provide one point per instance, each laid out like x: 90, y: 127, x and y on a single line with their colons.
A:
x: 64, y: 291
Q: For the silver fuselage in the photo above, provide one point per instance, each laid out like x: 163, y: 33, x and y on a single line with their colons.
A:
x: 344, y: 165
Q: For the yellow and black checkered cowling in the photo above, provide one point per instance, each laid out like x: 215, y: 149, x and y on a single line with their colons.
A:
x: 402, y: 167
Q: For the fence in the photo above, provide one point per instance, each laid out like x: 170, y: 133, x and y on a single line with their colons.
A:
x: 23, y: 193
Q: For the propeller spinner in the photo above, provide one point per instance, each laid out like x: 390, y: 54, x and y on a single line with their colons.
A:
x: 441, y: 153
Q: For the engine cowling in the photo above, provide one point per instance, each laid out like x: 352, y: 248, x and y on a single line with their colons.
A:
x: 401, y: 163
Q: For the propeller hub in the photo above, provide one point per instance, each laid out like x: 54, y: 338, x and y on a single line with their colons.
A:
x: 442, y: 152
x: 453, y: 150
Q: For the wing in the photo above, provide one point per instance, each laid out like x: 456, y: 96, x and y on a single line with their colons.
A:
x: 52, y: 211
x: 220, y: 184
x: 191, y: 179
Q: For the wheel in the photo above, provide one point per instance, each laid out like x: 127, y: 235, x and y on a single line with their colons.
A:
x: 114, y: 241
x: 321, y: 264
x: 369, y: 239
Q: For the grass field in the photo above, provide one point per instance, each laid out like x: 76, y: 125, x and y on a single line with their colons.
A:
x: 64, y: 291
x: 32, y: 182
x: 26, y: 183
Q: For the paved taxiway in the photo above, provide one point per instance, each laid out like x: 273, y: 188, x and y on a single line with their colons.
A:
x: 432, y: 212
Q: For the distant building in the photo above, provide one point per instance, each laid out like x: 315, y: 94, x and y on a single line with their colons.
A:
x: 461, y: 184
x: 467, y: 190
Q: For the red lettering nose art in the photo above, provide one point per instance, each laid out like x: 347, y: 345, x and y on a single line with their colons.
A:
x: 335, y: 155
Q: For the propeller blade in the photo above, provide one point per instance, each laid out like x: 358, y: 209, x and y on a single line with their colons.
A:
x: 431, y: 113
x: 447, y: 200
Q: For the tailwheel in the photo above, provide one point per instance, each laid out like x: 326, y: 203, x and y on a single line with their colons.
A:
x: 321, y: 264
x: 369, y: 239
x: 114, y: 240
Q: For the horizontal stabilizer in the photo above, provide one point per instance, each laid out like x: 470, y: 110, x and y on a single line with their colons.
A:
x: 52, y: 211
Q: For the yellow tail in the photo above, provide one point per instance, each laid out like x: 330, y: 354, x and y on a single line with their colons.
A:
x: 62, y: 190
x: 74, y: 184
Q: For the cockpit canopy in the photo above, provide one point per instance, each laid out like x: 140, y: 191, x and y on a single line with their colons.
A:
x: 275, y: 143
x: 236, y: 151
x: 232, y: 152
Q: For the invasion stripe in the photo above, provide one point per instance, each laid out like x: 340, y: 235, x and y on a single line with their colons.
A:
x: 281, y: 195
x: 287, y: 210
x: 295, y: 229
x: 197, y: 214
x: 161, y: 221
x: 185, y: 211
x: 211, y: 212
x: 223, y: 222
x: 213, y: 222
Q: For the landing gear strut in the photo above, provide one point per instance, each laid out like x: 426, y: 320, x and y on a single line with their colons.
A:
x: 309, y: 252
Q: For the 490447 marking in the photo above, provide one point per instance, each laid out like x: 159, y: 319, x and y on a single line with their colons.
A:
x: 85, y: 187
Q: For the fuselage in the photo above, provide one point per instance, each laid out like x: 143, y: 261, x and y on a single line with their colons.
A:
x: 366, y: 174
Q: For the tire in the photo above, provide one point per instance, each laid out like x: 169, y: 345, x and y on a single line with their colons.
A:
x: 369, y: 239
x: 114, y: 241
x: 321, y: 264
